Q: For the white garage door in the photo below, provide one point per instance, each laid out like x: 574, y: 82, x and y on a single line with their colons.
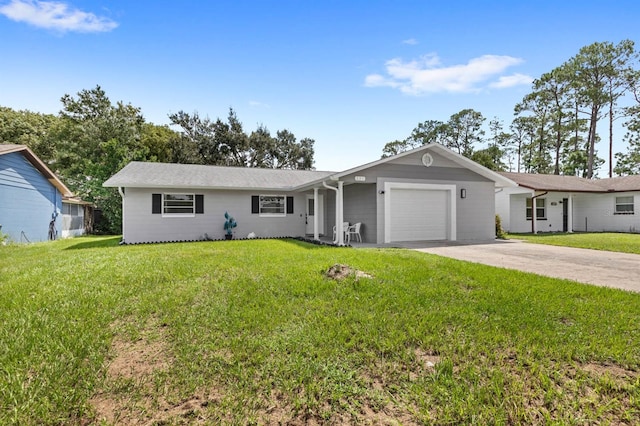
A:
x: 419, y: 214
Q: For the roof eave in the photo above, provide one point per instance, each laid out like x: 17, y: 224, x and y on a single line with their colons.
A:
x: 108, y: 184
x: 42, y: 168
x: 585, y: 191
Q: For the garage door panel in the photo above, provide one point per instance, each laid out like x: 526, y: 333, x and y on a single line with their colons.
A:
x: 418, y: 214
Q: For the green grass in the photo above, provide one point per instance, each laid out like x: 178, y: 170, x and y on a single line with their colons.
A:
x: 252, y: 332
x: 625, y: 243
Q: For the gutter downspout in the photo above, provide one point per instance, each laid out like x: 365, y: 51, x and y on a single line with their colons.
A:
x: 533, y: 211
x: 339, y: 214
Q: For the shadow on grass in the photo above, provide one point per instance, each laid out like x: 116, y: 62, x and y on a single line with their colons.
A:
x: 96, y: 242
x: 307, y: 244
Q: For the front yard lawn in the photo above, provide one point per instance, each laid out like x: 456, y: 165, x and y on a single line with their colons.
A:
x: 253, y: 332
x: 625, y: 243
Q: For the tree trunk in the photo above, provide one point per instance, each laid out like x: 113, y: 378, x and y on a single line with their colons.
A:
x: 611, y: 133
x: 592, y: 141
x: 556, y: 169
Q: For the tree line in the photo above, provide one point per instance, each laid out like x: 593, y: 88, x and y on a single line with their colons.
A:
x: 92, y: 138
x: 555, y: 128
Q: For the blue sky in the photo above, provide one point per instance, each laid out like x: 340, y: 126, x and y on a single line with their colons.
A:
x: 351, y: 75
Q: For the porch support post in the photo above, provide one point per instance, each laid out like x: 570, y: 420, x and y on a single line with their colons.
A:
x: 316, y: 235
x: 340, y: 214
x: 570, y: 214
x: 533, y: 214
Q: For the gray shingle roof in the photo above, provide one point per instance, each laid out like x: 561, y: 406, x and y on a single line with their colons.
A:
x: 163, y: 175
x: 542, y: 182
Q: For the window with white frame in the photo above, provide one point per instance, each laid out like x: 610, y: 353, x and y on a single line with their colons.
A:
x: 541, y: 208
x: 624, y: 205
x: 272, y: 205
x: 178, y: 204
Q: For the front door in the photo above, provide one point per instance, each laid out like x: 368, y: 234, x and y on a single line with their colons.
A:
x: 565, y: 215
x: 312, y: 210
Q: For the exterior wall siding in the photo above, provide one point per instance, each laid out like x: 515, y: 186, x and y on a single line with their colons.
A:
x: 360, y: 206
x: 476, y: 213
x: 141, y: 226
x: 595, y: 213
x: 27, y: 200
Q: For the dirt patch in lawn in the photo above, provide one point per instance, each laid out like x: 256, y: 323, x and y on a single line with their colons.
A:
x: 340, y: 272
x: 279, y: 411
x: 134, y: 390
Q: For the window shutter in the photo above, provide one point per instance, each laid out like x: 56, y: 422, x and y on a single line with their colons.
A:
x: 156, y: 203
x: 199, y: 204
x: 255, y: 204
x: 289, y: 205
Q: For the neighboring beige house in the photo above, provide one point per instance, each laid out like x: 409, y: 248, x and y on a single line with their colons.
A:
x: 429, y: 193
x: 569, y: 203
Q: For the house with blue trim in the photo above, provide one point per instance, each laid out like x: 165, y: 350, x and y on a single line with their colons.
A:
x: 31, y: 196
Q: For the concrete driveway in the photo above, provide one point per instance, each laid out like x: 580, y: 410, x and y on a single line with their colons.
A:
x: 603, y: 268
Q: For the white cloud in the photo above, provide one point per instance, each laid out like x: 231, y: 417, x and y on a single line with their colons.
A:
x: 428, y: 75
x: 411, y: 41
x: 258, y: 104
x: 506, y: 81
x: 55, y: 16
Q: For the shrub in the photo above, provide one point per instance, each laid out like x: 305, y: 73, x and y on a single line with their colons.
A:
x: 500, y: 234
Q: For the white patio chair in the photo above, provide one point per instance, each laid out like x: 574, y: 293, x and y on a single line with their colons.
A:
x: 355, y: 231
x: 345, y: 226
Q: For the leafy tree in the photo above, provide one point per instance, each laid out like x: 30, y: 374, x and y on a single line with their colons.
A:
x: 464, y: 130
x: 226, y: 143
x: 538, y: 105
x: 95, y: 139
x: 231, y: 141
x: 430, y: 131
x: 629, y: 163
x: 460, y: 133
x: 490, y: 158
x: 522, y: 136
x: 197, y: 136
x: 596, y: 67
x: 617, y: 84
x: 31, y: 129
x: 395, y: 148
x: 261, y: 148
x: 499, y: 145
x: 552, y: 93
x: 160, y: 142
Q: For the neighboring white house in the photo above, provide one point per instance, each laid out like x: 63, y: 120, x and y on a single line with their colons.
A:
x: 429, y: 193
x: 569, y: 203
